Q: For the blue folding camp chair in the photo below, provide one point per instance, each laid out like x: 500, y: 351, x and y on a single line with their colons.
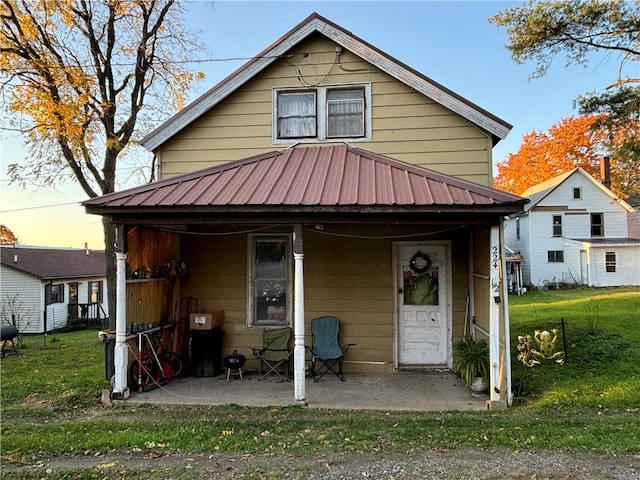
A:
x: 326, y: 351
x: 275, y: 353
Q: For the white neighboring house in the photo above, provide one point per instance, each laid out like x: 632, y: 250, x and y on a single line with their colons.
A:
x: 575, y: 230
x: 46, y: 288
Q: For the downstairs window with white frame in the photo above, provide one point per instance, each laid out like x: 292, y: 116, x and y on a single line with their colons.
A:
x: 555, y: 256
x: 269, y: 292
x: 610, y: 261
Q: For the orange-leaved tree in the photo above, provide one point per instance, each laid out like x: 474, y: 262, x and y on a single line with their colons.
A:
x: 82, y: 80
x: 570, y: 143
x: 7, y: 236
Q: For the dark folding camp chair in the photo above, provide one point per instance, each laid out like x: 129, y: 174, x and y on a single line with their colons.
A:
x: 275, y: 352
x: 325, y: 349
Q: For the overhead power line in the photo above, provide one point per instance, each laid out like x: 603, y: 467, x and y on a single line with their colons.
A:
x: 41, y: 206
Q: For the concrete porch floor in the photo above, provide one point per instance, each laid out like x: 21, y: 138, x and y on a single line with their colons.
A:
x: 408, y: 391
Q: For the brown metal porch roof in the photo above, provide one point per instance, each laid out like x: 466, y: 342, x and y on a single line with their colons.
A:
x: 301, y: 178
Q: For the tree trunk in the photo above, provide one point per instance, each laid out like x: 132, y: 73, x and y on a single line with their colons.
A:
x: 110, y: 263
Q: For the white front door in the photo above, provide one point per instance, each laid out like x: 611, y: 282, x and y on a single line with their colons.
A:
x: 423, y: 304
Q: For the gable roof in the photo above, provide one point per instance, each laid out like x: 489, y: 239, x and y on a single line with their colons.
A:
x: 53, y: 263
x: 539, y: 192
x: 333, y: 178
x: 317, y: 24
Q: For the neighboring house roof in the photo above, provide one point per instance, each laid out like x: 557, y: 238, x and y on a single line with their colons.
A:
x: 53, y: 263
x: 330, y: 179
x: 315, y: 23
x: 539, y: 192
x: 634, y: 200
x: 609, y: 242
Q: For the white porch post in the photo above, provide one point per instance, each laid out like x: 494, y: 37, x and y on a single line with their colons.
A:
x: 298, y: 315
x: 505, y: 311
x: 120, y: 350
x: 496, y: 299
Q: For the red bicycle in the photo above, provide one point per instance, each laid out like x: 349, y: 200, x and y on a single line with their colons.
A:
x: 155, y: 365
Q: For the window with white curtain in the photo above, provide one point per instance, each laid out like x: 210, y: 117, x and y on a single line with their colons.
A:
x: 322, y: 113
x: 297, y: 114
x: 345, y: 113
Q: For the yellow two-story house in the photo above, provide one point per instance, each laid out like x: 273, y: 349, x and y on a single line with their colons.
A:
x: 324, y: 177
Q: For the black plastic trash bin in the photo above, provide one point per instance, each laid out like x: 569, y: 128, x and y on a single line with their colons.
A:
x: 109, y: 362
x: 206, y: 352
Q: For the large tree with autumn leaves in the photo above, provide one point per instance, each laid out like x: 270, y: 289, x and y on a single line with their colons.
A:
x: 82, y: 79
x: 572, y: 142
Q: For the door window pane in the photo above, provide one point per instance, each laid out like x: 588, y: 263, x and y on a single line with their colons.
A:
x: 421, y: 289
x: 73, y: 292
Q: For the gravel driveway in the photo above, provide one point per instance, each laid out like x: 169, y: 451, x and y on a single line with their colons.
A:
x: 494, y: 464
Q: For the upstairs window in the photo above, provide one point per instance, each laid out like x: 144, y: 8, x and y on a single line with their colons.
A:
x: 577, y: 193
x: 345, y: 113
x: 557, y: 225
x: 322, y: 113
x: 597, y: 225
x: 610, y: 261
x: 297, y: 114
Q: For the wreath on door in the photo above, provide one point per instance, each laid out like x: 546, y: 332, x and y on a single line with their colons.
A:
x: 419, y: 263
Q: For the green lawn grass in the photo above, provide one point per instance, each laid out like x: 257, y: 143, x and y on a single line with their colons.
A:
x: 602, y: 334
x: 50, y: 398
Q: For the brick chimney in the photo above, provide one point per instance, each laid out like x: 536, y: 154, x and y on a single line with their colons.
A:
x: 605, y: 171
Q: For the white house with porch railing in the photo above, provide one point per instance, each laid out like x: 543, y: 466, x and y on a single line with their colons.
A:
x: 43, y: 289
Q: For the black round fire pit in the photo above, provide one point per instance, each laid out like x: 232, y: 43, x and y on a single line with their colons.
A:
x: 234, y: 363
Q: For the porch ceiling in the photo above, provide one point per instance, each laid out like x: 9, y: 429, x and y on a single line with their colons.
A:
x: 299, y: 182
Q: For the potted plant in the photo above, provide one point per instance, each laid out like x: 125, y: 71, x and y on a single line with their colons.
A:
x: 471, y: 362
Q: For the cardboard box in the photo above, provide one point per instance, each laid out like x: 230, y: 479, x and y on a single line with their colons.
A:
x: 206, y: 321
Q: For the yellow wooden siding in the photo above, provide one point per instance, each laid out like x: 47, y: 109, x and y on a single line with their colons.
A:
x: 352, y: 279
x: 347, y: 277
x: 405, y: 124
